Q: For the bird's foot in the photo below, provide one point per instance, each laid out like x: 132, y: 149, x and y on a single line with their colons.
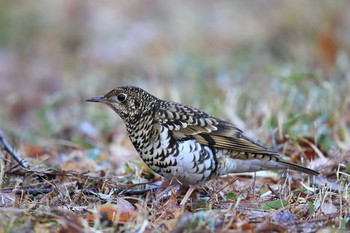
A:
x: 170, y: 191
x: 166, y: 189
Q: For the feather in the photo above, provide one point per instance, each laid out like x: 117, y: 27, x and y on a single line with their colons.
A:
x: 219, y: 134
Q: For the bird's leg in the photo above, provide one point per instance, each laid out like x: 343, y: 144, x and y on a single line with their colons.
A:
x: 254, y: 182
x: 163, y: 186
x: 165, y: 189
x: 187, y: 195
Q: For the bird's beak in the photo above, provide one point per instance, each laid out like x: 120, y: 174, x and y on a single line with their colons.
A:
x: 98, y: 99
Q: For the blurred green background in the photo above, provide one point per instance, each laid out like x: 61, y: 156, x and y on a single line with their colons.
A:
x: 258, y: 64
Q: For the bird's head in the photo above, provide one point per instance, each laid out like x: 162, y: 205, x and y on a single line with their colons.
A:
x: 129, y: 102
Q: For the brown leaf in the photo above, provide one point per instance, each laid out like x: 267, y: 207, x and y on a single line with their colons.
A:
x: 327, y: 47
x: 39, y: 153
x: 270, y: 227
x: 70, y: 221
x: 121, y: 212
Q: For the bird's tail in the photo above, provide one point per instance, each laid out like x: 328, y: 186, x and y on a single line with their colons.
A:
x: 250, y: 162
x: 299, y: 168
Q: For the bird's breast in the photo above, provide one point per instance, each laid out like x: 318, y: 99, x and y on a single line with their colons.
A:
x: 157, y: 151
x: 187, y: 161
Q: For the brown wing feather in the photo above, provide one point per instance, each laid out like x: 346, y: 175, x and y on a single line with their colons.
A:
x: 237, y: 142
x: 222, y: 135
x: 206, y: 130
x: 218, y: 134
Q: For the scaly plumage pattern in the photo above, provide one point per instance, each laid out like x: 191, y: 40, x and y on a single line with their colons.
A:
x: 183, y: 143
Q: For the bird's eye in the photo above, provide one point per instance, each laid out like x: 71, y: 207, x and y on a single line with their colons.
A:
x: 121, y: 97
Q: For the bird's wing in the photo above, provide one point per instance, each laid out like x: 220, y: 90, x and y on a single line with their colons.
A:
x: 222, y: 135
x: 187, y: 122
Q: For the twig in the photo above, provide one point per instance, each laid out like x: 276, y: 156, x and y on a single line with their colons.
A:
x: 130, y: 192
x: 37, y: 191
x: 229, y: 183
x: 8, y: 148
x: 33, y: 191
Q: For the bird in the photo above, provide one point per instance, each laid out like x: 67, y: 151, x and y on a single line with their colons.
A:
x: 185, y: 144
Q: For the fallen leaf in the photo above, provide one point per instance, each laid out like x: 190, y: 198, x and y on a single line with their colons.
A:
x: 284, y: 216
x: 121, y: 212
x: 274, y: 205
x: 270, y: 227
x: 328, y: 208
